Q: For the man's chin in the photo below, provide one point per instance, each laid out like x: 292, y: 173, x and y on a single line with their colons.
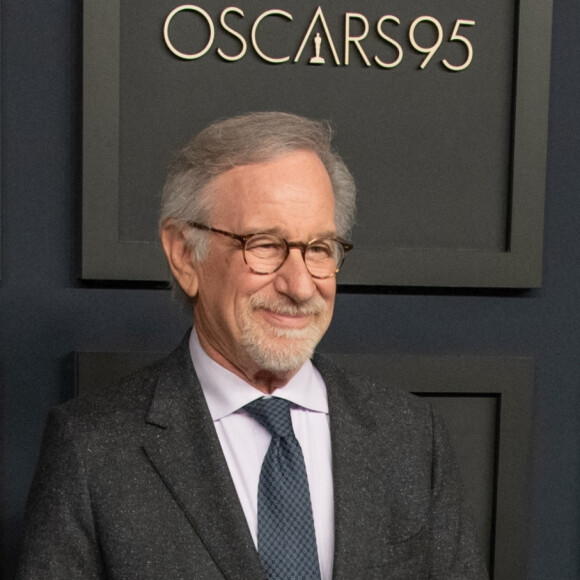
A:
x: 280, y: 348
x: 281, y: 354
x: 286, y: 363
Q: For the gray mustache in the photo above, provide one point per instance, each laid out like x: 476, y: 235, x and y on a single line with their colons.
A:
x: 314, y: 306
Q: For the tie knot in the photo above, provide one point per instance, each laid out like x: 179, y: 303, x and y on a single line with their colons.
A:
x: 273, y: 414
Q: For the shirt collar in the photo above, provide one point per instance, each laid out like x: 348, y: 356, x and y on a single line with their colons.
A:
x: 225, y: 392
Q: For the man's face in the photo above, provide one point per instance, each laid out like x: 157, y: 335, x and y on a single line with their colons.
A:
x: 250, y: 322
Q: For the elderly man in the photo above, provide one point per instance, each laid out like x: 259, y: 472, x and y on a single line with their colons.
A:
x: 241, y: 455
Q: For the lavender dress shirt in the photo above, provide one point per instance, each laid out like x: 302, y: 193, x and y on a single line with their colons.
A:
x: 245, y: 442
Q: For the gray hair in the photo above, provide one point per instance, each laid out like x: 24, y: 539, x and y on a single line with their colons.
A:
x: 244, y: 140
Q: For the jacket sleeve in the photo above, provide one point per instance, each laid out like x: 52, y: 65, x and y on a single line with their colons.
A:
x: 60, y: 539
x: 455, y: 553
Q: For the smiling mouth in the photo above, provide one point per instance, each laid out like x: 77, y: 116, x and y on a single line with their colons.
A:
x: 286, y: 315
x: 288, y: 319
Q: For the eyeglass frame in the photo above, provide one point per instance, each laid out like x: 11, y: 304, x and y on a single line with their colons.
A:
x: 243, y: 239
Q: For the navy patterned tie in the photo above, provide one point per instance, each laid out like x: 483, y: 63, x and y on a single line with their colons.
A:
x: 286, y: 539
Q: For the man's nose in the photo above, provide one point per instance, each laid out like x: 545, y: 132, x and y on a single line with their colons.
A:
x: 293, y: 278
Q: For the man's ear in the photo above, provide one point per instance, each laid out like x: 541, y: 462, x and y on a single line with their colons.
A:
x: 179, y: 257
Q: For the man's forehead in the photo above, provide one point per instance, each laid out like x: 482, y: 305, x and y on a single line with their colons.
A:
x: 283, y: 180
x: 263, y: 165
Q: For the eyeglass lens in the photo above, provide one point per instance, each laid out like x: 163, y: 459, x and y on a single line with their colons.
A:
x: 265, y: 253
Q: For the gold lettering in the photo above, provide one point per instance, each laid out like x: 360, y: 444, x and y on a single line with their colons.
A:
x: 318, y: 15
x: 428, y: 50
x: 168, y: 42
x: 255, y: 42
x: 390, y: 41
x: 348, y: 39
x: 233, y: 33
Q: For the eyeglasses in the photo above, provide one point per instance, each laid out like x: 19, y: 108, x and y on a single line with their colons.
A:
x: 265, y: 253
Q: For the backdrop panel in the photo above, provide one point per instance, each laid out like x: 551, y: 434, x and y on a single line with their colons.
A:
x: 440, y: 112
x: 486, y: 403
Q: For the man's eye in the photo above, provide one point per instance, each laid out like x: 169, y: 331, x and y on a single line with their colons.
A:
x: 320, y: 249
x: 265, y: 245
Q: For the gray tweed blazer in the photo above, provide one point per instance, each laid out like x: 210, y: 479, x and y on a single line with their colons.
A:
x: 132, y: 484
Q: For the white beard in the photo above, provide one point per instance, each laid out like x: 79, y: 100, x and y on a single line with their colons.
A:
x: 282, y: 349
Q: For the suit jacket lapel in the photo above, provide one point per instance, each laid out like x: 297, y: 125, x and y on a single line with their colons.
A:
x: 353, y: 471
x: 184, y: 448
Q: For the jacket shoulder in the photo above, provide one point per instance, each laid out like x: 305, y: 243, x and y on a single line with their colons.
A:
x: 371, y: 394
x: 118, y: 404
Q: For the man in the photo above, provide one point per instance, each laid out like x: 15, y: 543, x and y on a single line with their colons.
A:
x: 181, y: 471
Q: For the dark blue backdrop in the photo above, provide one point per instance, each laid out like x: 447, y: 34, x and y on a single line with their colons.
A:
x: 46, y: 313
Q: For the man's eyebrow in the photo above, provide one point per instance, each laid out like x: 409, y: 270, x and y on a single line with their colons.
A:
x: 277, y: 231
x: 283, y: 234
x: 327, y: 234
